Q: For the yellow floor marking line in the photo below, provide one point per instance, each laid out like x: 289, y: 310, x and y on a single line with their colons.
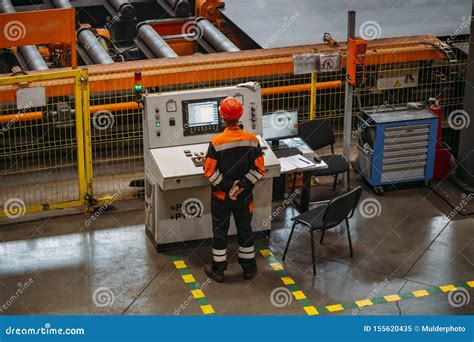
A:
x: 315, y: 310
x: 193, y: 286
x: 289, y: 283
x: 395, y: 297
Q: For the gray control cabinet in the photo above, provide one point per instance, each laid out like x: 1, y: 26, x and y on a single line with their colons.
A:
x: 177, y: 194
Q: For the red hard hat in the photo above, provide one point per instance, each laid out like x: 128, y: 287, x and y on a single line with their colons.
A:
x: 231, y: 108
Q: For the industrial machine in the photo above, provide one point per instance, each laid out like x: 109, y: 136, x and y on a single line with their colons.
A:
x: 177, y: 129
x: 396, y: 145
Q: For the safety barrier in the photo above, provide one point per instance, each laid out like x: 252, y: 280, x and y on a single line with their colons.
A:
x: 43, y: 162
x: 85, y: 145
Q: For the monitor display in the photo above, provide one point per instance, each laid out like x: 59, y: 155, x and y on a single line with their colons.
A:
x: 201, y: 116
x: 280, y: 125
x: 203, y: 113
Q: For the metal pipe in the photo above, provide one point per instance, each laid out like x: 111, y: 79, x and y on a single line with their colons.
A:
x: 154, y: 42
x: 61, y: 3
x: 214, y: 37
x: 461, y: 120
x: 7, y: 7
x: 33, y: 58
x: 181, y: 8
x: 300, y: 88
x: 30, y: 53
x: 12, y: 118
x: 124, y: 8
x: 115, y: 107
x: 92, y: 47
x: 349, y: 92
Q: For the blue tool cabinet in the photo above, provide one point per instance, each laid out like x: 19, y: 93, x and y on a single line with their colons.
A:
x: 396, y: 145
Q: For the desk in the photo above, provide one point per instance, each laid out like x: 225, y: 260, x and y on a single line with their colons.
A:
x: 280, y: 183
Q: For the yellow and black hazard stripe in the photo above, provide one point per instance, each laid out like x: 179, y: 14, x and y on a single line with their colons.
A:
x: 357, y: 304
x: 289, y: 282
x: 193, y: 285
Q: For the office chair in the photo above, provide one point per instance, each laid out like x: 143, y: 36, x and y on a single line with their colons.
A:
x: 326, y: 215
x: 318, y: 134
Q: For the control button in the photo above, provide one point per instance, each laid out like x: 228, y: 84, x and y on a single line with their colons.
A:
x: 202, y: 154
x: 199, y: 159
x: 196, y: 154
x: 172, y: 122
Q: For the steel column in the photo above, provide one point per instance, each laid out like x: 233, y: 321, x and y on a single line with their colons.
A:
x: 465, y: 170
x: 348, y: 99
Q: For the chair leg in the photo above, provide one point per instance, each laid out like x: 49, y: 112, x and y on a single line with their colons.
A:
x: 289, y: 239
x: 335, y: 182
x: 349, y: 179
x: 349, y: 237
x: 322, y: 236
x: 312, y: 252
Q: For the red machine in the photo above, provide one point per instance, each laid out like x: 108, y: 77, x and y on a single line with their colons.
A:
x: 442, y: 165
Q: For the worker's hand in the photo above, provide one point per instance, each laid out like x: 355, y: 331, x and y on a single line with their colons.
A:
x: 235, y: 191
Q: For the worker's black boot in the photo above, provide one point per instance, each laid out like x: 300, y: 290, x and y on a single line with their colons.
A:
x: 217, y: 276
x: 250, y: 273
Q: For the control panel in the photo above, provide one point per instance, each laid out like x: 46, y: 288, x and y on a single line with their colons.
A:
x: 197, y: 158
x: 192, y: 117
x: 177, y: 129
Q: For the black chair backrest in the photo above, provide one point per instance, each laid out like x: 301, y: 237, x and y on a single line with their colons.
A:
x: 342, y: 207
x: 317, y: 133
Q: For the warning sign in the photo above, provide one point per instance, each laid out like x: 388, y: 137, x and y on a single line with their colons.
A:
x: 397, y: 84
x: 307, y: 63
x: 330, y: 62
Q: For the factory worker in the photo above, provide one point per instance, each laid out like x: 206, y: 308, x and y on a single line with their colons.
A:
x: 233, y: 165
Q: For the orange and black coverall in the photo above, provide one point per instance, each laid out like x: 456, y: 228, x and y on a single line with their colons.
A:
x: 233, y: 155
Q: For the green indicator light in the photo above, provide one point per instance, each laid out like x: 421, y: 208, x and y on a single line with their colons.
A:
x: 138, y: 87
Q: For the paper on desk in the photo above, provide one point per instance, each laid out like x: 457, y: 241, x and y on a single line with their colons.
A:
x: 286, y: 166
x: 300, y: 162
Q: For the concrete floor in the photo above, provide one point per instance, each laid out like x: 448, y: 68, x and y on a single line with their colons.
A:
x: 410, y: 245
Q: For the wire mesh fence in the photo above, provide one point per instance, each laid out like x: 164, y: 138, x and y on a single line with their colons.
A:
x: 41, y: 157
x: 46, y: 149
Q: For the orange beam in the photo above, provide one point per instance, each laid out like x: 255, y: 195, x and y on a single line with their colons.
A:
x: 12, y: 118
x: 220, y: 66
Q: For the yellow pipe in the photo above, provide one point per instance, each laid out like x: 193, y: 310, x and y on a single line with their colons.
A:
x: 312, y: 104
x: 297, y: 88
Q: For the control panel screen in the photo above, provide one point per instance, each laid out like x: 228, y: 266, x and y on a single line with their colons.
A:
x: 201, y: 117
x: 280, y: 125
x: 203, y: 113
